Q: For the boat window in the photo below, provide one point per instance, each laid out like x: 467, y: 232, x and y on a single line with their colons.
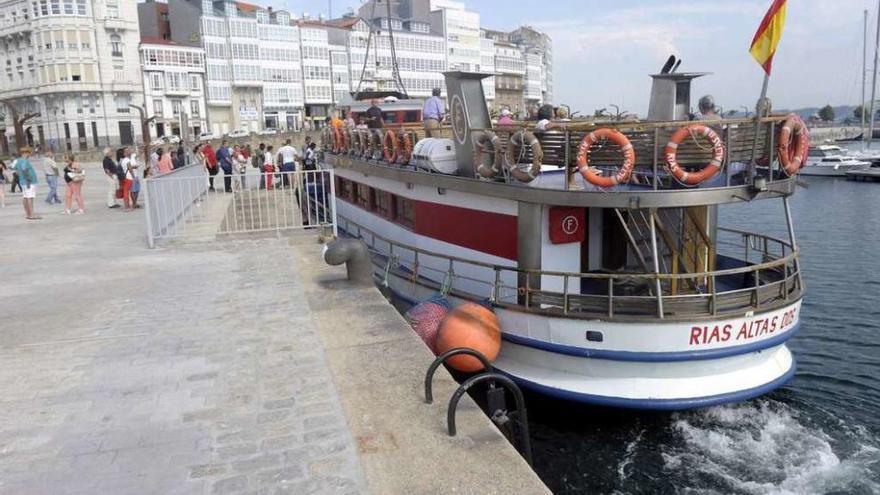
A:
x: 832, y: 159
x: 833, y: 152
x: 816, y: 153
x: 412, y: 116
x: 363, y: 196
x: 383, y: 203
x: 344, y: 188
x: 404, y: 213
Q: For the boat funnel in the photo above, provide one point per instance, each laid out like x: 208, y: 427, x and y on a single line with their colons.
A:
x: 467, y: 111
x: 671, y: 96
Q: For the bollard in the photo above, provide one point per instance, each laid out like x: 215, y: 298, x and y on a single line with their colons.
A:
x: 355, y: 255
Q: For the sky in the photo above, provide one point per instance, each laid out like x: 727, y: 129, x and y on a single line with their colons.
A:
x: 605, y: 49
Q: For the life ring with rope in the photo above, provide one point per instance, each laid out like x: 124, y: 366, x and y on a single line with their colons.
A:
x: 583, y: 157
x: 390, y: 146
x: 483, y: 140
x: 515, y: 146
x: 793, y: 131
x: 406, y: 147
x: 710, y: 170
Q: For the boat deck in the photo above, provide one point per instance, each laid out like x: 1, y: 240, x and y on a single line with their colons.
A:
x: 867, y: 175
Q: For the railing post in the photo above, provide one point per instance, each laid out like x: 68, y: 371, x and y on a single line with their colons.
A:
x: 333, y: 202
x: 565, y: 295
x: 757, y: 288
x: 610, y: 297
x: 148, y: 206
x: 713, y: 303
x: 655, y: 180
x: 494, y: 298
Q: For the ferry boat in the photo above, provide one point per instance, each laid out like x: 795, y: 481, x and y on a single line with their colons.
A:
x: 831, y: 161
x: 597, y: 245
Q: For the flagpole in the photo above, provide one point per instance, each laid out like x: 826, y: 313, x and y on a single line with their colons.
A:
x: 870, y: 136
x: 760, y: 111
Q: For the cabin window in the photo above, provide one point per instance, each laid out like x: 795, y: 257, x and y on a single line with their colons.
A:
x: 404, y: 211
x: 363, y: 196
x: 343, y: 188
x: 383, y: 204
x: 814, y: 152
x: 412, y: 116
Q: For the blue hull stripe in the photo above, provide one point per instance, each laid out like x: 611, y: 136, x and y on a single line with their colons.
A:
x: 657, y: 404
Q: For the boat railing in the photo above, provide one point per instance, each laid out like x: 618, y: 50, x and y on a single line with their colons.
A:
x: 748, y: 286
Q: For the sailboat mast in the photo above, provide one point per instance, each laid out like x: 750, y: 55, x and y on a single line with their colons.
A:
x: 874, y: 79
x: 864, y: 69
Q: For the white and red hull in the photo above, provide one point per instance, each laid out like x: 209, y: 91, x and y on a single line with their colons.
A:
x: 661, y: 364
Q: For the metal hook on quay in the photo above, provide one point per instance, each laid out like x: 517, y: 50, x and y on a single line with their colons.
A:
x: 495, y: 399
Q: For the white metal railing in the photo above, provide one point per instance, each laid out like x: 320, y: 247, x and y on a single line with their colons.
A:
x: 190, y: 203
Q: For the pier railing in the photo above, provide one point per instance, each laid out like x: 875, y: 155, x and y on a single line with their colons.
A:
x: 772, y: 282
x: 189, y: 203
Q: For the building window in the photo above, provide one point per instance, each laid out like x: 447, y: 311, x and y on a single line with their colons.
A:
x: 195, y: 83
x: 158, y: 108
x: 175, y: 107
x: 122, y: 102
x: 156, y: 81
x: 112, y: 9
x: 116, y: 45
x: 194, y: 109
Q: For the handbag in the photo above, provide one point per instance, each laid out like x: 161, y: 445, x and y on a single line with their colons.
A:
x: 119, y: 193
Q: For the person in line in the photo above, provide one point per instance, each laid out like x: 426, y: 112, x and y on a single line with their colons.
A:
x: 224, y: 159
x: 199, y: 155
x: 164, y: 163
x: 505, y: 118
x: 432, y: 114
x: 74, y: 176
x: 310, y: 157
x: 109, y: 167
x: 175, y: 161
x: 362, y: 123
x: 708, y: 110
x: 258, y: 160
x: 50, y: 168
x: 288, y: 156
x: 373, y: 115
x: 3, y: 169
x: 181, y: 156
x: 239, y: 163
x: 15, y: 179
x: 306, y: 142
x: 268, y: 168
x: 27, y: 177
x: 154, y: 161
x: 210, y: 164
x: 349, y: 121
x: 129, y: 165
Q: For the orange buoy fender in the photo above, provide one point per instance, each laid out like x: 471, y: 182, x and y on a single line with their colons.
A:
x: 583, y: 158
x: 483, y: 140
x: 390, y: 146
x: 792, y: 158
x: 471, y: 326
x: 710, y: 170
x: 518, y: 140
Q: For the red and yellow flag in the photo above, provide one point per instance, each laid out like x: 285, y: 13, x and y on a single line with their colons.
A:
x: 768, y: 35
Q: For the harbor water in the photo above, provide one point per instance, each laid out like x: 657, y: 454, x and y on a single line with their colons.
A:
x: 818, y: 434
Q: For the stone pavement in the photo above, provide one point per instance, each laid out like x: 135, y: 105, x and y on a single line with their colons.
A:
x: 128, y: 370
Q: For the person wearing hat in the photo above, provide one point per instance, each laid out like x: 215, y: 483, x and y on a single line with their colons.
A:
x: 28, y: 178
x: 432, y: 113
x: 707, y: 108
x: 505, y: 118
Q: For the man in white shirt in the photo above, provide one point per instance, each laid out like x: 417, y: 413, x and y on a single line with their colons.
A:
x: 288, y: 158
x: 50, y: 168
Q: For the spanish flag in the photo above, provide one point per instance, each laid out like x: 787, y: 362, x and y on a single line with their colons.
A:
x: 768, y: 35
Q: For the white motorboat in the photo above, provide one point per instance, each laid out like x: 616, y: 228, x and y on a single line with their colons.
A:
x: 831, y: 161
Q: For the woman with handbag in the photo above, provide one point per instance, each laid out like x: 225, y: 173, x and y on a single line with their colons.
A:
x: 74, y: 176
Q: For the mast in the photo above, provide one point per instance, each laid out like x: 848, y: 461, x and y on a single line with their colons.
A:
x: 864, y: 69
x: 874, y: 79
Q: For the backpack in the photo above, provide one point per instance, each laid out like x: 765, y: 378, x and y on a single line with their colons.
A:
x: 256, y: 160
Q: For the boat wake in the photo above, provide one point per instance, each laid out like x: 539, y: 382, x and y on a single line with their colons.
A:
x: 765, y: 447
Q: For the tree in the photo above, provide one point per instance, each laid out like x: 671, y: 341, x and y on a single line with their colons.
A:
x: 858, y: 111
x: 145, y: 129
x: 18, y: 122
x: 826, y: 113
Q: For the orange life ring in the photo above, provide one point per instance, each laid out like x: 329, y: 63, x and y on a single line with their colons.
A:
x: 390, y: 146
x: 481, y: 142
x: 406, y: 148
x: 520, y: 139
x: 583, y: 158
x: 792, y: 159
x: 710, y: 170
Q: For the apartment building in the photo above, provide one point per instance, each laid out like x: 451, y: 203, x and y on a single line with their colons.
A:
x: 487, y: 66
x: 510, y: 70
x: 73, y: 63
x: 253, y: 63
x: 174, y: 87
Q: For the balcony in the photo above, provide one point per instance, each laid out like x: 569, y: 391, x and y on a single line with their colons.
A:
x: 116, y: 24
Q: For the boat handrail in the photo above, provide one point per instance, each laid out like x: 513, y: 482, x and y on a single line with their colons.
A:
x: 782, y: 287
